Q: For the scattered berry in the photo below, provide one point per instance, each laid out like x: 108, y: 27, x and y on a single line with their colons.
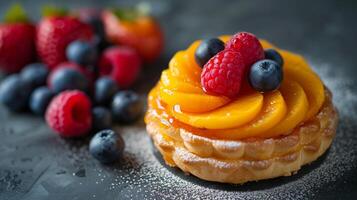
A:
x: 17, y: 40
x: 126, y: 107
x: 39, y: 100
x: 130, y: 28
x: 14, y: 93
x: 223, y: 74
x: 107, y: 146
x: 69, y: 114
x: 272, y: 54
x: 248, y: 45
x: 55, y: 33
x: 88, y: 71
x: 105, y: 89
x: 122, y: 64
x: 265, y: 75
x: 82, y: 53
x: 68, y: 79
x: 35, y: 74
x: 207, y: 49
x: 101, y: 118
x: 92, y: 17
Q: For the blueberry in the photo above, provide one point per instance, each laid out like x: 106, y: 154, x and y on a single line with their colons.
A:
x: 105, y: 88
x: 126, y: 107
x: 207, y: 49
x: 101, y: 43
x: 35, y: 74
x: 82, y: 53
x: 265, y: 75
x: 272, y: 54
x: 15, y: 93
x: 107, y: 146
x: 101, y: 118
x: 39, y: 100
x: 96, y: 23
x: 68, y: 79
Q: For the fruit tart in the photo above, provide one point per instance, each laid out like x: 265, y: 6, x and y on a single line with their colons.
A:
x: 235, y: 109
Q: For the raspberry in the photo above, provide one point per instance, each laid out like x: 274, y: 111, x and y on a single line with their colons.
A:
x: 223, y: 73
x: 248, y: 45
x: 122, y: 64
x: 69, y: 114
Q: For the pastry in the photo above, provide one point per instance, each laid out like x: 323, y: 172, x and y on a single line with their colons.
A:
x: 239, y: 109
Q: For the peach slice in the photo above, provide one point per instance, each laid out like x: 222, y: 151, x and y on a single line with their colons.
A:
x: 225, y: 38
x: 181, y: 67
x: 191, y: 102
x: 175, y: 84
x: 297, y: 103
x: 311, y: 84
x: 266, y: 44
x: 294, y: 60
x: 273, y: 111
x: 153, y: 94
x: 234, y: 114
x: 190, y: 56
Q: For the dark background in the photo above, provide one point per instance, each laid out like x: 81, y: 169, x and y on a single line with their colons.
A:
x: 37, y: 164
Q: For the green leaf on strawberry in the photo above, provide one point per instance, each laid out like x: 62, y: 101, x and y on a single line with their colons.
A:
x: 131, y: 13
x: 16, y: 13
x: 53, y: 11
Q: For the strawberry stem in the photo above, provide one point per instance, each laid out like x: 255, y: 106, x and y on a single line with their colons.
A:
x: 132, y: 13
x: 53, y: 11
x: 15, y: 13
x: 127, y: 14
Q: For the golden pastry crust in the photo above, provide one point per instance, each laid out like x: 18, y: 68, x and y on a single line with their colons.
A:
x: 246, y: 160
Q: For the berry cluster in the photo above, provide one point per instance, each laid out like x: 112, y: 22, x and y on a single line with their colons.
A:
x: 226, y: 66
x: 80, y: 84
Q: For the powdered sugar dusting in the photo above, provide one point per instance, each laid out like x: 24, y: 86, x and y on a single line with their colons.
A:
x: 143, y: 175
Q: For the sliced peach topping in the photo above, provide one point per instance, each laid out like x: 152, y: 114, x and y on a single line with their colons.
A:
x: 176, y: 84
x: 225, y: 38
x: 311, y: 84
x: 191, y: 102
x: 234, y: 114
x: 181, y: 67
x: 251, y: 114
x: 294, y: 60
x: 190, y: 56
x: 297, y: 104
x: 266, y: 44
x: 272, y: 112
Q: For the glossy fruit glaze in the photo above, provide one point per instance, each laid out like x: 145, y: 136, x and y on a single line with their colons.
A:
x: 179, y: 100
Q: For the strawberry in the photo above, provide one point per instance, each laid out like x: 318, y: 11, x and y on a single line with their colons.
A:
x: 16, y: 38
x: 55, y: 32
x: 135, y: 29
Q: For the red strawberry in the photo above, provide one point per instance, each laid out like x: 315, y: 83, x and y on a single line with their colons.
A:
x: 17, y: 41
x: 248, y: 45
x: 69, y: 114
x: 223, y: 73
x: 134, y: 29
x: 122, y: 64
x: 54, y: 33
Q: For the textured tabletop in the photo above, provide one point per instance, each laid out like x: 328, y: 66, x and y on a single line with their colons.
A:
x: 37, y: 164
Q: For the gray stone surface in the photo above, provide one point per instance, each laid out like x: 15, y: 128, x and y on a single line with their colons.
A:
x: 37, y: 164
